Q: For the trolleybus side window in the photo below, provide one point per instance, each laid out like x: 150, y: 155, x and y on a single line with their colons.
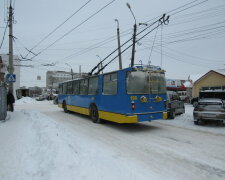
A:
x: 60, y: 89
x: 64, y: 88
x: 110, y: 84
x: 76, y: 87
x: 84, y: 86
x: 69, y: 88
x: 93, y: 86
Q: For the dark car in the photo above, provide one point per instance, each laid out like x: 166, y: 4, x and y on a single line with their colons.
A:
x: 174, y: 104
x: 55, y: 99
x: 209, y: 109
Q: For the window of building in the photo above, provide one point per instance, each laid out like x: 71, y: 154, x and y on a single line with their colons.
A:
x: 84, y: 86
x: 110, y: 84
x: 93, y: 85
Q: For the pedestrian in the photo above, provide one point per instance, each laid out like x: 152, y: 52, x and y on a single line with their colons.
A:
x: 10, y: 101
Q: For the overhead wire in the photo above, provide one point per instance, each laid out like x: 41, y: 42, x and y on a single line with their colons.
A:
x: 60, y: 25
x: 4, y: 34
x: 67, y: 33
x: 159, y: 16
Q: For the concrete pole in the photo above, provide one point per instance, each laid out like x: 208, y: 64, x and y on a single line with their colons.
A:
x: 119, y: 47
x: 80, y: 71
x: 10, y: 68
x: 133, y: 48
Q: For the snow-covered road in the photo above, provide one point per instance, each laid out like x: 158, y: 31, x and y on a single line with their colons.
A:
x: 70, y: 146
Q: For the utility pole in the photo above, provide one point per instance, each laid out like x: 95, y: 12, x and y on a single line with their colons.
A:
x: 134, y: 42
x: 119, y: 47
x: 80, y: 71
x: 134, y: 36
x: 10, y: 67
x: 71, y: 70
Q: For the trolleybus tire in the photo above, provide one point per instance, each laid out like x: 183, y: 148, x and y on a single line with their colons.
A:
x: 172, y: 114
x: 94, y: 114
x: 65, y: 107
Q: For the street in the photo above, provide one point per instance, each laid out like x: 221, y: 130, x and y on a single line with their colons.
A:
x: 170, y: 152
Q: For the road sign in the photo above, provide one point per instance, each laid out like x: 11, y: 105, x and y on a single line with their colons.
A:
x: 11, y: 78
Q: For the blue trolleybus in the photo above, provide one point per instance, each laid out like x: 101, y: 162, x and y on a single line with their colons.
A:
x: 130, y: 95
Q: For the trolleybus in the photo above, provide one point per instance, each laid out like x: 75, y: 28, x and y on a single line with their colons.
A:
x: 131, y: 95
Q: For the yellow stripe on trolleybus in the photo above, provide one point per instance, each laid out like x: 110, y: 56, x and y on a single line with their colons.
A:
x: 114, y: 117
x: 119, y: 118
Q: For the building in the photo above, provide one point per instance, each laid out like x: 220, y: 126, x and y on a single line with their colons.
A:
x: 4, y: 70
x: 211, y: 81
x: 53, y: 78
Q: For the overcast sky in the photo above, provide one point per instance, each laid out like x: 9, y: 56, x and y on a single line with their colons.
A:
x: 192, y: 43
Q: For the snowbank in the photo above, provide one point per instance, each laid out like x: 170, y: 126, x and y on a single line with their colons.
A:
x: 25, y: 100
x: 35, y: 147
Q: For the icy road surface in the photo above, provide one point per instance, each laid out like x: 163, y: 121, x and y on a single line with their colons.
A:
x: 40, y: 141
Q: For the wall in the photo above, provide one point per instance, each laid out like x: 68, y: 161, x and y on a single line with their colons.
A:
x: 211, y: 79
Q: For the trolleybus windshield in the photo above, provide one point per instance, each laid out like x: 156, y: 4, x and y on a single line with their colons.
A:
x: 145, y: 82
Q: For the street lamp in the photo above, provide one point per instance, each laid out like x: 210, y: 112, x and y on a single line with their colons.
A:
x: 134, y: 35
x: 71, y: 69
x: 119, y: 47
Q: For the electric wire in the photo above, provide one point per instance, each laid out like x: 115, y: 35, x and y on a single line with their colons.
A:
x: 67, y: 33
x: 4, y: 35
x: 60, y: 25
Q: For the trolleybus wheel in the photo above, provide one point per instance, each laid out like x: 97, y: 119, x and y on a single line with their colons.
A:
x: 172, y: 114
x: 65, y: 107
x: 94, y: 114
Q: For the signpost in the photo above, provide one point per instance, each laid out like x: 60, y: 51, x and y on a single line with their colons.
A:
x: 11, y: 78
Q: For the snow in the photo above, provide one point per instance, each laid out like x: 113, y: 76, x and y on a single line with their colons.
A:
x: 34, y: 146
x: 40, y: 142
x: 25, y: 100
x: 187, y: 84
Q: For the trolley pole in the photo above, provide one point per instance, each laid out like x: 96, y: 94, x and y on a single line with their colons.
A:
x: 10, y: 67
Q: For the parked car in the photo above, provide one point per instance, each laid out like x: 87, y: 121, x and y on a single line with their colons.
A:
x: 40, y: 98
x: 209, y: 109
x: 55, y: 99
x: 174, y: 104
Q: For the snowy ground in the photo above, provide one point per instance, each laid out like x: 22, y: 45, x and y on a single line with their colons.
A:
x: 40, y: 142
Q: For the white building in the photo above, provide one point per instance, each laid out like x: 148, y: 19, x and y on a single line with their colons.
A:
x: 53, y: 78
x: 16, y: 64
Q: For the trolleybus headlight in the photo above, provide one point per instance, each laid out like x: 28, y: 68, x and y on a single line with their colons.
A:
x: 132, y: 105
x: 158, y: 99
x: 143, y: 99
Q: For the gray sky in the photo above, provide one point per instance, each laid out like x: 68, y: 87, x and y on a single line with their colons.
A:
x: 192, y: 43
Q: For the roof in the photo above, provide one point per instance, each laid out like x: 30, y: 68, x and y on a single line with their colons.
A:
x: 218, y: 71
